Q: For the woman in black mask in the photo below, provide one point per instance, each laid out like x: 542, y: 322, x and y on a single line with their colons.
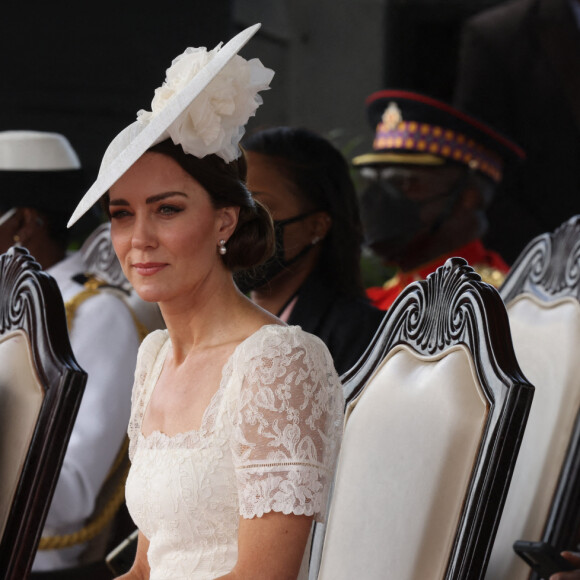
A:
x: 314, y: 279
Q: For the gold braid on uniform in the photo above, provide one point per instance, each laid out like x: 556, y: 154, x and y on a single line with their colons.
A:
x: 117, y: 475
x: 102, y: 517
x: 92, y: 287
x: 490, y: 275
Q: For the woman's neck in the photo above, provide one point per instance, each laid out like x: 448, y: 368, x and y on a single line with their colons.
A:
x: 212, y: 317
x: 193, y: 319
x: 274, y: 295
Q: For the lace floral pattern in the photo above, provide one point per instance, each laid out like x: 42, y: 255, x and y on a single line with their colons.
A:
x: 287, y: 426
x: 268, y: 442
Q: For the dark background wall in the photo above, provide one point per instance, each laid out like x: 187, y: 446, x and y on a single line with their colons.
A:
x: 422, y: 41
x: 86, y: 68
x: 331, y: 54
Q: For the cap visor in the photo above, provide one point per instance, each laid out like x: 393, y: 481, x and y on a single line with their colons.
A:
x: 410, y: 159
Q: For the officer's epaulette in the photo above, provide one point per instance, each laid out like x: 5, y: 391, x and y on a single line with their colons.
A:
x: 92, y: 283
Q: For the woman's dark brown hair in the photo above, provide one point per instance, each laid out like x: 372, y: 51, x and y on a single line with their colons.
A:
x: 322, y: 180
x: 253, y: 239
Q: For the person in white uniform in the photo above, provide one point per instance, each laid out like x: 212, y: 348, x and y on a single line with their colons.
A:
x: 40, y: 183
x: 236, y: 418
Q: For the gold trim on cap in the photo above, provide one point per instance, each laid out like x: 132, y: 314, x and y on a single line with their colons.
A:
x: 411, y: 159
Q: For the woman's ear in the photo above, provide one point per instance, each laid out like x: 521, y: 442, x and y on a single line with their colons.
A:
x: 321, y: 224
x: 227, y: 221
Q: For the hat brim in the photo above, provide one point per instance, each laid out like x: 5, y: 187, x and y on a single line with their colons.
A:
x: 137, y: 138
x: 397, y: 158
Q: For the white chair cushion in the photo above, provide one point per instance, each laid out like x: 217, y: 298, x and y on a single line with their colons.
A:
x: 410, y: 442
x: 546, y: 338
x: 21, y: 396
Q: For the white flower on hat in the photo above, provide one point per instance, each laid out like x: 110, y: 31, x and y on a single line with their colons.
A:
x: 203, y: 105
x: 215, y: 121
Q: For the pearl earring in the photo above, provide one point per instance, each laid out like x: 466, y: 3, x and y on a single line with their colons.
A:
x: 315, y: 240
x: 222, y: 249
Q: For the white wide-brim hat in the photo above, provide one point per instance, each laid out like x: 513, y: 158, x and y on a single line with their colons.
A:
x: 152, y: 128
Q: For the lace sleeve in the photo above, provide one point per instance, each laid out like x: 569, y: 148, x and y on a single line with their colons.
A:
x: 146, y: 357
x: 288, y: 426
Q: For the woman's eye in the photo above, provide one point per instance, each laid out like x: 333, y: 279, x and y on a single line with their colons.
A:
x: 169, y: 209
x: 119, y: 213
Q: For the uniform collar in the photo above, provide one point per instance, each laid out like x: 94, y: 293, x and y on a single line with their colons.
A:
x: 474, y: 252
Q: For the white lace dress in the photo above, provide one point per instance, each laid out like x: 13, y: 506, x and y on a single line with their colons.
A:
x: 268, y: 442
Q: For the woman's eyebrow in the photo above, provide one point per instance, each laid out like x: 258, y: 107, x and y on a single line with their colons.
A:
x: 162, y: 196
x: 152, y: 199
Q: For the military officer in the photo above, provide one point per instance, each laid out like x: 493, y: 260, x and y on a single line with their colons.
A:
x: 431, y: 175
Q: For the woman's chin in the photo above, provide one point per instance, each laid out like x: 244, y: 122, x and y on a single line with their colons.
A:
x: 149, y: 294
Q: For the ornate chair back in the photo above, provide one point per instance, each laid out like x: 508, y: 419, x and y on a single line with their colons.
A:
x: 436, y: 411
x: 542, y: 296
x: 41, y: 386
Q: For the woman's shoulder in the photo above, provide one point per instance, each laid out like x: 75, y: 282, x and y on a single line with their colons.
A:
x: 280, y: 334
x: 150, y: 347
x: 155, y: 340
x: 273, y: 340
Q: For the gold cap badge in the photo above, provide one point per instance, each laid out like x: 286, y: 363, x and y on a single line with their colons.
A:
x: 391, y: 117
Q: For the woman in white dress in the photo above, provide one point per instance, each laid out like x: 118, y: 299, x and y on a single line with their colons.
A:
x: 236, y: 417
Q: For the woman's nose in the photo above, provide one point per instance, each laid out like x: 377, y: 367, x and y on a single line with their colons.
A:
x: 143, y: 235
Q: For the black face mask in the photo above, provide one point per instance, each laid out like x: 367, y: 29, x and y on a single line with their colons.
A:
x: 257, y: 277
x: 392, y: 219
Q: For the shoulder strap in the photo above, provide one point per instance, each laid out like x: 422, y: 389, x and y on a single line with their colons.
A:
x: 92, y: 287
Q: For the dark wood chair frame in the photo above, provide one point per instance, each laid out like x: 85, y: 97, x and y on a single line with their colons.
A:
x: 30, y: 300
x: 549, y: 269
x: 454, y: 307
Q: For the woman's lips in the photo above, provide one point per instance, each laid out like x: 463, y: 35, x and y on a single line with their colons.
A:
x: 148, y: 268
